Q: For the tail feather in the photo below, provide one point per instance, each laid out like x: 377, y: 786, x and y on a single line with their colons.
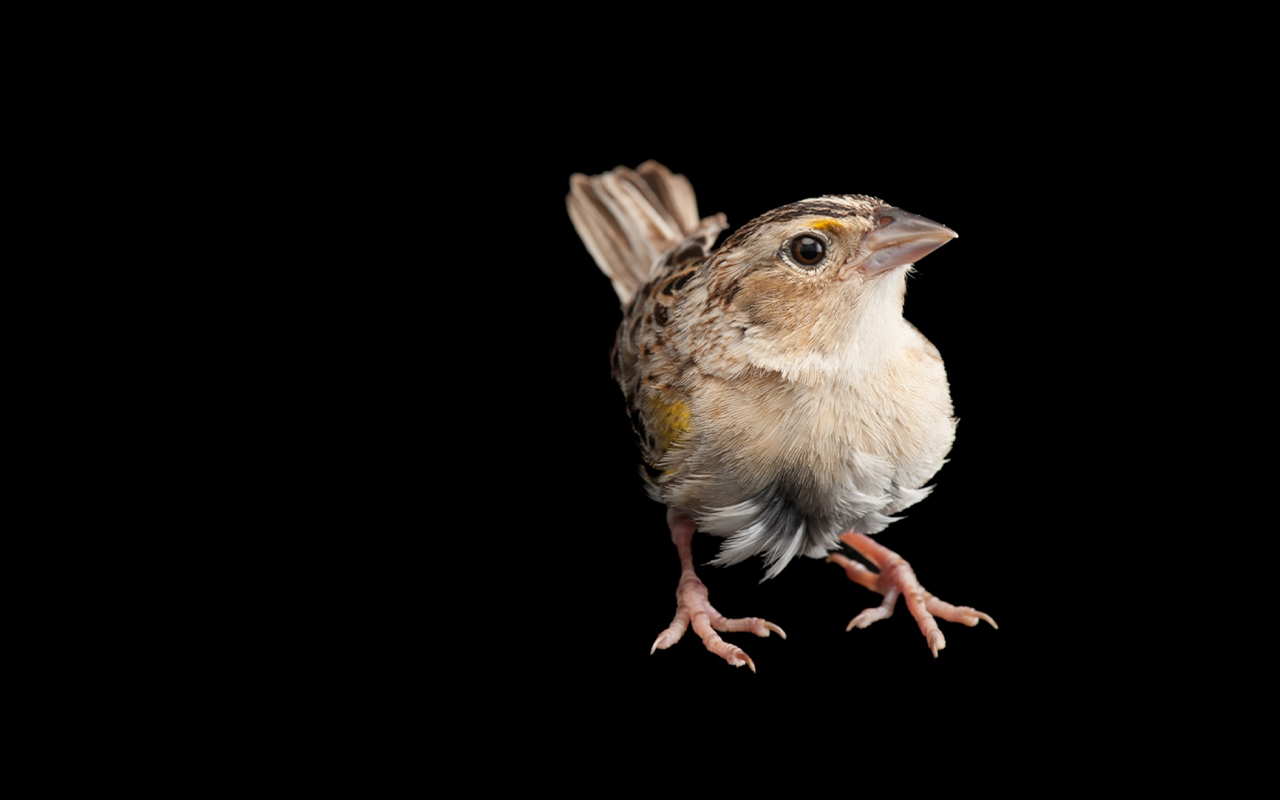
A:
x: 675, y: 192
x: 628, y: 219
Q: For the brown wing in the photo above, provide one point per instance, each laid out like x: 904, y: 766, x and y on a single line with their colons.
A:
x: 647, y: 361
x: 643, y: 230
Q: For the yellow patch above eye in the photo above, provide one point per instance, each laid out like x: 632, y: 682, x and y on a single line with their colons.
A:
x: 828, y: 224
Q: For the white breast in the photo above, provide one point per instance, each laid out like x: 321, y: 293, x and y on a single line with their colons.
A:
x: 787, y: 464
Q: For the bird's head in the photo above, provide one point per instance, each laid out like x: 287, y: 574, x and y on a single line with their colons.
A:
x: 819, y: 283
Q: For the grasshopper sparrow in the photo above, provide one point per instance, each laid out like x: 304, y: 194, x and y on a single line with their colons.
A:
x: 780, y: 399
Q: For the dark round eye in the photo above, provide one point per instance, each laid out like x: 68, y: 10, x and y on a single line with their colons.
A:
x: 808, y: 251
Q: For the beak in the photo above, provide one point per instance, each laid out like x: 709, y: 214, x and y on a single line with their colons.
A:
x: 899, y: 238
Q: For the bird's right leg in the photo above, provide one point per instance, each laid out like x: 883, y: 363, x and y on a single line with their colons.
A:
x: 692, y: 605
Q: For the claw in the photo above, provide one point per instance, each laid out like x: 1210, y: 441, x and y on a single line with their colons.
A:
x: 971, y: 617
x: 986, y: 618
x: 870, y: 615
x: 865, y: 619
x: 965, y: 615
x: 693, y: 609
x: 896, y: 577
x: 737, y: 657
x: 937, y: 642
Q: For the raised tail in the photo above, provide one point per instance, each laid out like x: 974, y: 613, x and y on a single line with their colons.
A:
x: 629, y: 219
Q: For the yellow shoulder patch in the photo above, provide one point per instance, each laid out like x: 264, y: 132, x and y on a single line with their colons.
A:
x: 670, y: 422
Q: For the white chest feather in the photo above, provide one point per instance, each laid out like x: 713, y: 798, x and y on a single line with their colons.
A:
x: 786, y: 463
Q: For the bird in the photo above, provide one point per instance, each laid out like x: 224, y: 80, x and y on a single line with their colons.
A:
x: 780, y: 400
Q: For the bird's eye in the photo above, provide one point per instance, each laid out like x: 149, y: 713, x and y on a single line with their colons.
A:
x: 808, y: 251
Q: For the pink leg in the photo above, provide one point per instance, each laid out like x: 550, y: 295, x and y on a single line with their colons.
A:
x: 692, y: 606
x: 896, y: 577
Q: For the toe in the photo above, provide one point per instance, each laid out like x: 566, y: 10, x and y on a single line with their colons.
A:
x: 738, y: 657
x: 937, y: 642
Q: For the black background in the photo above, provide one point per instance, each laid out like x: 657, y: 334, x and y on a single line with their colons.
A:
x: 499, y: 572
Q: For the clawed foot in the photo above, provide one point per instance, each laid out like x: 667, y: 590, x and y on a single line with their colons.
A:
x: 896, y: 577
x: 692, y: 606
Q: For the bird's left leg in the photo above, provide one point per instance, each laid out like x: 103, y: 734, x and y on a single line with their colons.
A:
x: 694, y: 607
x: 896, y: 577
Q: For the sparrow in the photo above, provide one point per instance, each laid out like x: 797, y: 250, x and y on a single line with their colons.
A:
x: 780, y: 400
